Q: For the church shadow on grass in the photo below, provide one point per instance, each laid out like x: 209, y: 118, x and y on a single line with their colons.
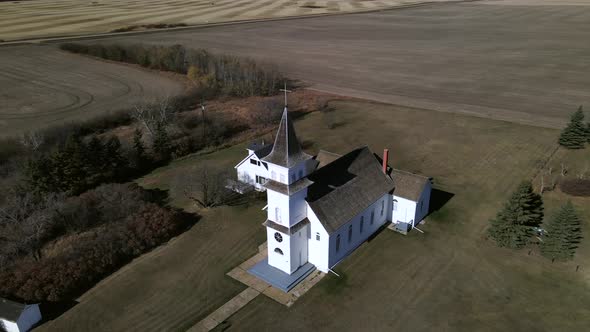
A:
x: 438, y: 199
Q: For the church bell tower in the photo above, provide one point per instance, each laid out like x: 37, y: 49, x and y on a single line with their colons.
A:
x: 287, y: 226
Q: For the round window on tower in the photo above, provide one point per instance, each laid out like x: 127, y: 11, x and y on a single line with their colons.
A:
x: 278, y: 237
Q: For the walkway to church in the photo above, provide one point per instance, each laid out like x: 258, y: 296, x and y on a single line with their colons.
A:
x: 256, y: 286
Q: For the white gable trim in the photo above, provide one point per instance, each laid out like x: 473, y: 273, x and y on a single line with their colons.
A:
x: 244, y: 160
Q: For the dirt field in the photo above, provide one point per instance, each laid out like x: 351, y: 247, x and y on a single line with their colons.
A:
x: 447, y: 279
x: 39, y: 18
x: 494, y: 59
x: 497, y: 59
x: 41, y: 86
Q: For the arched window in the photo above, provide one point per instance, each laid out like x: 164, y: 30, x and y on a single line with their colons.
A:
x: 372, y: 216
x: 362, y: 223
x: 278, y: 251
x: 337, y: 242
x: 349, y: 233
x: 382, y: 207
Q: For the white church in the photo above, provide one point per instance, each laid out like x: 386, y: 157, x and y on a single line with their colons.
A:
x: 321, y: 208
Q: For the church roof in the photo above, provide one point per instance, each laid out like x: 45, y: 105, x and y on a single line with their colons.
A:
x: 346, y: 186
x: 11, y: 310
x: 324, y: 158
x: 408, y: 185
x: 286, y: 150
x: 261, y: 150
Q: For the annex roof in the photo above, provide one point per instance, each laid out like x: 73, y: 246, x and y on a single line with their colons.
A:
x: 261, y: 150
x: 345, y: 187
x: 286, y: 150
x: 408, y: 185
x: 11, y: 310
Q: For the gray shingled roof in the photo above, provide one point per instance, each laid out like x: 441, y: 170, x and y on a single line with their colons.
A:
x: 408, y: 185
x: 345, y: 187
x: 286, y: 150
x: 11, y: 310
x: 324, y: 158
x: 287, y: 189
x: 260, y: 150
x: 283, y: 229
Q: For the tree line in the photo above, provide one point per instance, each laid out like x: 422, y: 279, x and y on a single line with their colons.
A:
x: 98, y: 232
x: 224, y: 74
x: 521, y: 218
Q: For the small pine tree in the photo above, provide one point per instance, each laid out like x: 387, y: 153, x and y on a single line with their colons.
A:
x: 161, y: 143
x: 513, y: 225
x: 564, y: 232
x: 138, y: 158
x: 574, y: 136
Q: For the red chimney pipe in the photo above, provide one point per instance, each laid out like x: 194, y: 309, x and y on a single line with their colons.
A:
x: 385, y: 160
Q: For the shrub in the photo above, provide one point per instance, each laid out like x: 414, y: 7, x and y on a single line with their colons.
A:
x: 104, y: 228
x: 576, y: 187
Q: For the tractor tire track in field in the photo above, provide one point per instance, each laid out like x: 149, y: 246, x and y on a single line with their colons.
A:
x: 43, y: 85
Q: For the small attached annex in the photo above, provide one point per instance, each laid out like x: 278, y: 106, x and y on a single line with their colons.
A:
x: 18, y: 317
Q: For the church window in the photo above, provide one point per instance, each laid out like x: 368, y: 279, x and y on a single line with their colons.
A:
x: 382, y: 207
x: 317, y: 236
x: 253, y: 162
x: 349, y: 233
x: 337, y: 242
x: 362, y: 224
x: 278, y: 251
x: 394, y: 205
x: 278, y: 237
x: 372, y: 216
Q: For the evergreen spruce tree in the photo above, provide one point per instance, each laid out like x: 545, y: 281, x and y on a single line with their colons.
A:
x: 564, y: 232
x: 513, y: 225
x: 116, y: 163
x: 138, y: 157
x: 69, y: 166
x: 161, y: 143
x: 95, y: 161
x: 574, y: 136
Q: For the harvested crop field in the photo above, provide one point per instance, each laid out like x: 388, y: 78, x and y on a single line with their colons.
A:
x: 523, y: 63
x: 38, y: 18
x: 42, y: 86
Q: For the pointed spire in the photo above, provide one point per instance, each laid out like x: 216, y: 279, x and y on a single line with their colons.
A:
x: 286, y: 150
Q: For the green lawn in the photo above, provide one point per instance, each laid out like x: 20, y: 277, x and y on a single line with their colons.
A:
x: 449, y: 278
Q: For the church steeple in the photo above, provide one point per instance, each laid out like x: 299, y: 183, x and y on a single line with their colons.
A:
x: 286, y: 150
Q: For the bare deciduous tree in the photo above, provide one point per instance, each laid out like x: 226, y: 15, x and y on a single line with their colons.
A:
x: 152, y: 114
x: 203, y: 186
x: 32, y: 140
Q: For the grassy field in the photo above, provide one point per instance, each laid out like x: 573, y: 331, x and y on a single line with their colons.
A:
x: 449, y: 278
x: 33, y: 19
